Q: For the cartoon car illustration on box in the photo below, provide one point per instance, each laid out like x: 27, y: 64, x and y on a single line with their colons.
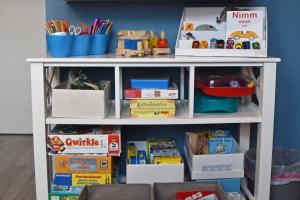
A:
x: 251, y: 35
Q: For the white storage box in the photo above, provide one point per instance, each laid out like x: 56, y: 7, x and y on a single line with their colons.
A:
x: 80, y: 103
x: 202, y: 16
x: 150, y: 173
x: 215, y: 166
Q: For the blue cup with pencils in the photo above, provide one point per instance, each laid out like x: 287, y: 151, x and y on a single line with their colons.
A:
x: 81, y: 40
x: 59, y: 42
x: 100, y: 34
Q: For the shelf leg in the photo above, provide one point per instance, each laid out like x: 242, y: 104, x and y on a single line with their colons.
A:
x: 245, y: 137
x: 265, y: 132
x: 191, y: 91
x: 117, y: 92
x: 39, y: 130
x: 182, y: 83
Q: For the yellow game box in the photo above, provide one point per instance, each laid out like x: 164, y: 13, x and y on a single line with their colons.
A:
x: 152, y: 104
x: 82, y: 164
x: 167, y: 160
x: 91, y: 179
x: 144, y: 108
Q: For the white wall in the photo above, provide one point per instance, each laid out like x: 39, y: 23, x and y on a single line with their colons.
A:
x: 21, y: 36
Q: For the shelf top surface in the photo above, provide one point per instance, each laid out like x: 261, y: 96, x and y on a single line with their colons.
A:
x: 112, y: 59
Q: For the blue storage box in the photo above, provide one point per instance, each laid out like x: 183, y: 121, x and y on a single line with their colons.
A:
x: 81, y: 45
x: 150, y: 83
x: 59, y: 45
x: 99, y: 44
x: 209, y: 104
x: 220, y: 141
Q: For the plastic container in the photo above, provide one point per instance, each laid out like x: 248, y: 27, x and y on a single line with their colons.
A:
x: 59, y: 45
x: 99, y: 43
x: 220, y: 87
x: 81, y: 45
x: 285, y: 179
x: 209, y: 104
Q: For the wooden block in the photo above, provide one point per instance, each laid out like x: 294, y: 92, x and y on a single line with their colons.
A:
x: 159, y: 51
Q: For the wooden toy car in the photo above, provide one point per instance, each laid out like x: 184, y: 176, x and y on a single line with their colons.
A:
x: 133, y: 43
x: 251, y: 35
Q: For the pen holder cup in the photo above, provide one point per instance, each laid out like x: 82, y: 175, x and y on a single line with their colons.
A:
x: 99, y: 43
x: 81, y: 45
x: 59, y: 45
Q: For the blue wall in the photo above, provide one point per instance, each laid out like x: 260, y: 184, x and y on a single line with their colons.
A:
x: 284, y: 34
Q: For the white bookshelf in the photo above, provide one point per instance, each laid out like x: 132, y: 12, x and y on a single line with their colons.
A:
x: 119, y: 111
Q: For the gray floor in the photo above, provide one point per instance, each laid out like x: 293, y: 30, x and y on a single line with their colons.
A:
x: 16, y: 168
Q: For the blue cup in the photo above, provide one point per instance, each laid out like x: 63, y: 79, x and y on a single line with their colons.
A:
x: 59, y: 45
x: 99, y: 43
x: 81, y: 45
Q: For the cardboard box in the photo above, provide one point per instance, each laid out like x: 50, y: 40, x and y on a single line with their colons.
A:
x: 220, y: 141
x: 82, y: 164
x: 80, y: 103
x: 150, y: 173
x: 215, y: 166
x: 94, y: 143
x: 170, y: 93
x: 159, y: 83
x: 82, y: 179
x: 152, y: 108
x: 215, y: 17
x: 66, y: 192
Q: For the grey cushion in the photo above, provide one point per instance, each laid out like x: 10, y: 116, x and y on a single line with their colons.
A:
x: 119, y: 192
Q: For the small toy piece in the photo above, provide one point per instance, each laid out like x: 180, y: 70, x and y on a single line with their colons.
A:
x: 234, y: 83
x: 196, y: 44
x: 189, y: 26
x: 213, y: 43
x: 205, y: 27
x: 203, y: 44
x: 153, y: 40
x: 238, y: 45
x: 220, y: 44
x: 256, y: 45
x: 189, y: 36
x: 162, y: 45
x: 230, y: 43
x: 246, y: 45
x: 133, y: 43
x: 162, y: 42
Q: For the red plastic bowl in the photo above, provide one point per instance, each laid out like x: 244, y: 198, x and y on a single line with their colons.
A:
x: 221, y: 87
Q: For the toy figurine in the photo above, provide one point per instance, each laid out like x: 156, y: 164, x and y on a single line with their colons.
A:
x: 256, y: 45
x: 162, y: 45
x: 203, y: 44
x: 213, y: 43
x: 238, y: 45
x: 230, y: 43
x: 133, y: 43
x: 196, y: 44
x: 246, y: 45
x: 220, y: 44
x: 162, y: 42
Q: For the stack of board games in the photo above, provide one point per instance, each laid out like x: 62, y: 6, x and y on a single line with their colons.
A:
x: 155, y: 151
x: 152, y: 98
x: 80, y: 156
